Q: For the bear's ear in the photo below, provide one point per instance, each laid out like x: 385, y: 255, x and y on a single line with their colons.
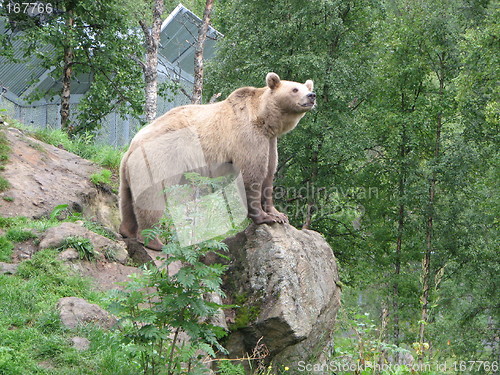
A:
x: 309, y: 84
x: 272, y: 80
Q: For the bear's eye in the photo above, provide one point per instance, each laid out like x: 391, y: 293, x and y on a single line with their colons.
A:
x: 295, y: 90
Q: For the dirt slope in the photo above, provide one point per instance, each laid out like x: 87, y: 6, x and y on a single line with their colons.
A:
x: 42, y: 177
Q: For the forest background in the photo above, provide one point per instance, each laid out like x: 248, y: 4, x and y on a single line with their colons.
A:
x: 397, y: 166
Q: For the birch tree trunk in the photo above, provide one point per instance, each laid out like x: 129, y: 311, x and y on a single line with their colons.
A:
x: 150, y: 68
x: 399, y: 239
x: 198, y: 54
x: 66, y: 80
x: 426, y: 261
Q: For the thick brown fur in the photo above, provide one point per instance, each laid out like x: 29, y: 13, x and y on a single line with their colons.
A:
x: 241, y: 130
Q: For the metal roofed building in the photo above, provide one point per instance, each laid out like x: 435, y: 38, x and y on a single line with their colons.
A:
x: 176, y: 62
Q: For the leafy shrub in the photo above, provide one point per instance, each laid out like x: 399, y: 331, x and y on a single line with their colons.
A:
x: 360, y: 345
x: 155, y: 307
x: 229, y: 368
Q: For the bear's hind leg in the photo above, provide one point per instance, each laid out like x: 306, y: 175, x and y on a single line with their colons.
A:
x: 147, y: 219
x: 128, y: 227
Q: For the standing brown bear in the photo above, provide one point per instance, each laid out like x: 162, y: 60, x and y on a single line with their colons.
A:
x: 240, y: 131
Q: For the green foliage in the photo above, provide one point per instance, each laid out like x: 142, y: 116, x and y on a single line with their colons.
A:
x: 104, y: 46
x: 229, y: 368
x: 58, y: 210
x: 4, y: 184
x: 245, y: 312
x: 11, y: 222
x: 156, y: 307
x: 4, y: 148
x: 107, y: 156
x: 44, y: 266
x: 52, y: 136
x: 407, y: 97
x: 358, y: 345
x: 101, y: 178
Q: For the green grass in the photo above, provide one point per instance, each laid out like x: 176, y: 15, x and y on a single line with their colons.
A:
x: 4, y: 147
x: 109, y: 157
x: 83, y: 146
x: 32, y: 339
x: 24, y: 224
x: 104, y: 155
x: 4, y: 184
x: 19, y: 235
x: 11, y: 222
x: 4, y: 157
x: 6, y: 248
x: 99, y: 229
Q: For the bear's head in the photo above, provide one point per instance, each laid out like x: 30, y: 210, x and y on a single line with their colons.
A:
x: 291, y: 97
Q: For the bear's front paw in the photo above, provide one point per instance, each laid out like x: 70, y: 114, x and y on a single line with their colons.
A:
x: 279, y: 217
x: 264, y: 218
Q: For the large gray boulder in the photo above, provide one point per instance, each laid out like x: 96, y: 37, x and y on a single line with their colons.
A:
x: 285, y: 281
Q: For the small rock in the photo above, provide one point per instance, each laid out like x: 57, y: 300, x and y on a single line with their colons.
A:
x: 24, y: 256
x: 80, y: 343
x: 69, y: 255
x: 108, y: 249
x: 8, y: 268
x: 75, y: 311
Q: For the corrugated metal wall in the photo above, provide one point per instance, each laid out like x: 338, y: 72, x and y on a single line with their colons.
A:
x: 115, y: 130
